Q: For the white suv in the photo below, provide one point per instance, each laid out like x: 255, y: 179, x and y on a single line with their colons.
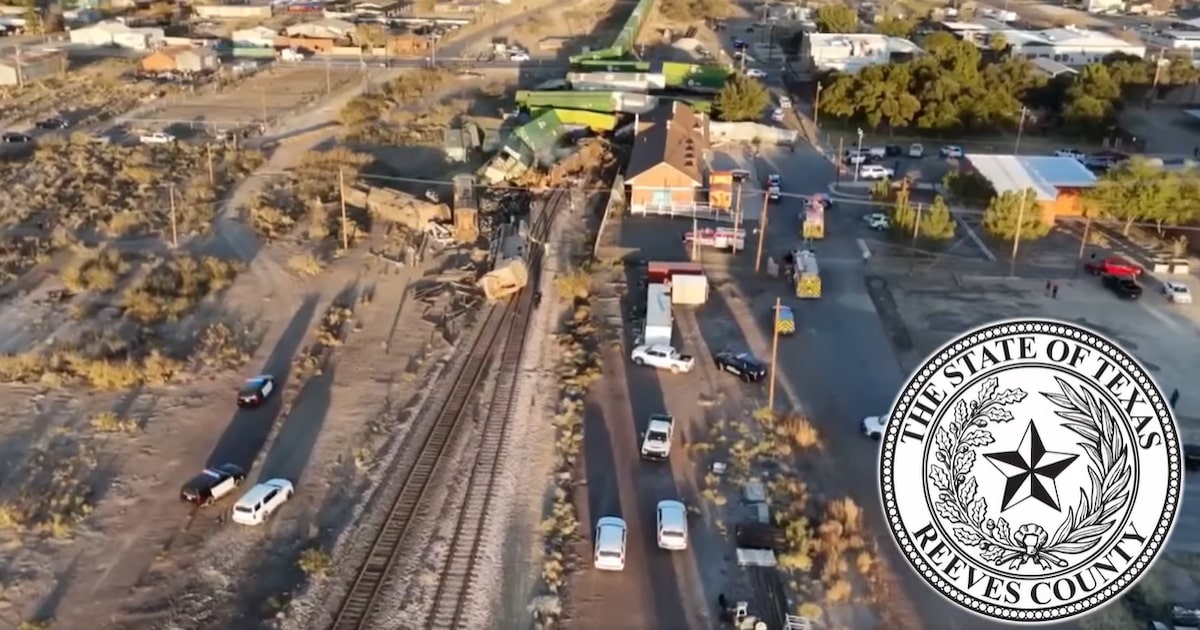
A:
x: 672, y: 525
x: 875, y: 171
x: 261, y: 501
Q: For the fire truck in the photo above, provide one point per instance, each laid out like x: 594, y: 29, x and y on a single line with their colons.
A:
x: 719, y: 238
x: 800, y: 267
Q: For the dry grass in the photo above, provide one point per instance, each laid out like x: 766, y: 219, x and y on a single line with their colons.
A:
x: 175, y: 287
x: 330, y: 334
x: 573, y: 285
x: 54, y: 492
x: 315, y: 563
x: 97, y: 88
x: 300, y: 198
x: 363, y: 113
x: 221, y: 348
x: 96, y: 271
x: 67, y: 367
x: 306, y: 265
x: 110, y: 422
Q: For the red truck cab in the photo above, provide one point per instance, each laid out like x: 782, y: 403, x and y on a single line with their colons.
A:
x: 1113, y: 266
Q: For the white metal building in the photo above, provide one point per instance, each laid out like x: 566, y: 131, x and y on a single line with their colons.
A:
x: 322, y: 29
x: 112, y: 33
x: 1174, y: 40
x: 1070, y: 46
x: 852, y: 52
x: 659, y: 324
x: 257, y: 37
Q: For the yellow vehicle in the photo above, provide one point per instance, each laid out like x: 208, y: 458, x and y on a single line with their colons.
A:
x: 785, y: 321
x: 808, y: 276
x: 814, y: 222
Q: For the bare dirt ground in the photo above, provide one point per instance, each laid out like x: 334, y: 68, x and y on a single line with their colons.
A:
x: 266, y: 95
x: 80, y: 96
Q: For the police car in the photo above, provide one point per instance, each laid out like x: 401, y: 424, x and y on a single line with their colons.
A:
x: 256, y: 391
x: 211, y: 484
x: 741, y: 364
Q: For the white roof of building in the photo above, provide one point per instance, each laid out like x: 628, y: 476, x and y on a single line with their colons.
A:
x: 1044, y: 174
x: 964, y: 26
x: 874, y: 40
x: 1073, y: 36
x: 1050, y: 67
x: 901, y: 45
x: 1017, y: 38
x: 109, y: 26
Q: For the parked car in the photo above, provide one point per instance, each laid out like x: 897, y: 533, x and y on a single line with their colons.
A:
x: 52, y: 123
x: 212, y: 484
x: 257, y: 505
x: 875, y: 171
x: 741, y: 364
x: 157, y: 137
x: 893, y: 150
x: 854, y: 158
x: 785, y: 102
x: 663, y: 358
x: 951, y: 151
x: 915, y: 150
x: 777, y: 115
x: 519, y: 57
x: 878, y: 221
x: 1176, y: 292
x: 740, y: 175
x: 1124, y: 286
x: 1071, y: 153
x: 755, y: 73
x: 15, y: 137
x: 1113, y: 266
x: 672, y: 525
x: 256, y: 391
x: 874, y: 426
x: 610, y: 544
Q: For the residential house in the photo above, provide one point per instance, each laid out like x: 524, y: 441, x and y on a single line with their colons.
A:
x: 377, y: 9
x: 1187, y: 41
x: 257, y: 37
x: 197, y: 59
x: 851, y: 52
x: 19, y: 68
x: 162, y: 60
x: 113, y: 33
x: 322, y: 29
x: 667, y: 168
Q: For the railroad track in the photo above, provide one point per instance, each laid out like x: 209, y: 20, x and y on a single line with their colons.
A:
x: 499, y: 322
x: 458, y: 570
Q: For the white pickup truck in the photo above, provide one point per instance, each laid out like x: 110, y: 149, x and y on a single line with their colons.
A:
x: 157, y: 137
x: 656, y: 441
x: 663, y: 358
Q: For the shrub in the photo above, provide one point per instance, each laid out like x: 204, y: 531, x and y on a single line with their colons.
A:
x: 314, y: 562
x: 220, y: 348
x: 97, y: 272
x: 110, y: 422
x: 174, y: 287
x: 306, y: 265
x: 54, y: 493
x: 574, y: 285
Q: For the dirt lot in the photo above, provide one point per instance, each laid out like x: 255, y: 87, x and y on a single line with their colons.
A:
x: 268, y: 94
x: 93, y: 92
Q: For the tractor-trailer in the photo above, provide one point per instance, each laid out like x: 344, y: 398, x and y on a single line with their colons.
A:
x: 658, y: 315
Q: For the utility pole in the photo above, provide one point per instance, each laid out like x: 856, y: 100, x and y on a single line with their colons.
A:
x: 916, y: 227
x: 695, y: 237
x: 1087, y: 227
x: 328, y: 76
x: 1012, y: 264
x: 817, y: 107
x: 838, y: 158
x: 858, y: 156
x: 1020, y: 130
x: 20, y: 66
x: 774, y: 357
x: 212, y: 173
x: 762, y: 231
x: 737, y: 215
x: 342, y: 199
x: 263, y: 102
x: 174, y: 225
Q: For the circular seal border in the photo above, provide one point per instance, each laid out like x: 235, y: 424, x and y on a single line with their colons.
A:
x: 1155, y: 542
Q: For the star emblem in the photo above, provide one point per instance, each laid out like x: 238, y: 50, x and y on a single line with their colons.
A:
x: 1030, y: 470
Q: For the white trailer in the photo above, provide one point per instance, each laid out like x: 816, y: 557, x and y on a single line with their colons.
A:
x: 658, y: 315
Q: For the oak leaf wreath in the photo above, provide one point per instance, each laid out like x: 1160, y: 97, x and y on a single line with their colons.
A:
x: 1085, y: 524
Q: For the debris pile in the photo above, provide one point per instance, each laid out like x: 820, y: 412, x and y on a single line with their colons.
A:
x: 506, y: 279
x: 588, y: 158
x: 448, y: 296
x: 397, y: 206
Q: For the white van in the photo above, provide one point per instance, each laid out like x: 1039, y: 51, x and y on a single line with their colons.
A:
x: 610, y: 544
x: 261, y: 501
x: 672, y: 525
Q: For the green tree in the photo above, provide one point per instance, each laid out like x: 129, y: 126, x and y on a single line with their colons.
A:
x: 1139, y: 190
x: 903, y: 215
x: 895, y: 27
x: 998, y: 43
x: 1015, y: 214
x: 968, y: 187
x: 741, y: 98
x: 836, y: 18
x: 937, y: 224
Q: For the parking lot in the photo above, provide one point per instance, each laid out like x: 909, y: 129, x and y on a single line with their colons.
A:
x: 262, y: 97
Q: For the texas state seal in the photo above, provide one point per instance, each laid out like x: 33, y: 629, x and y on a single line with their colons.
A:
x: 1031, y: 470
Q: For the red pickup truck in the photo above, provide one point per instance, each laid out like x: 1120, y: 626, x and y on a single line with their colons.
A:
x: 1113, y: 266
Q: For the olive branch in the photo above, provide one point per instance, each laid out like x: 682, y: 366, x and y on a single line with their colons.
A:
x: 957, y: 501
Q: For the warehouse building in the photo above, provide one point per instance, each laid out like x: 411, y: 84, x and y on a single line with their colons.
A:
x: 27, y: 67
